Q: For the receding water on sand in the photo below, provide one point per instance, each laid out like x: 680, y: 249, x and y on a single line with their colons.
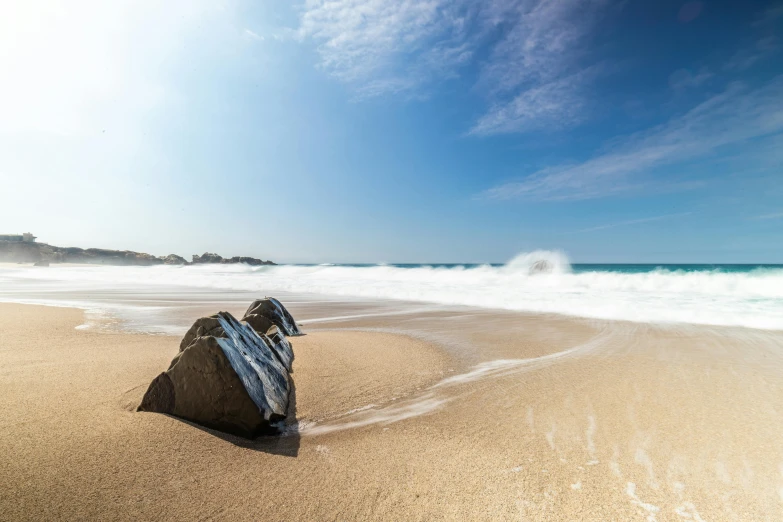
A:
x: 537, y: 282
x: 551, y: 414
x: 446, y: 390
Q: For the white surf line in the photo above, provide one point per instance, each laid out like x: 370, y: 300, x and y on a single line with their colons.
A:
x: 434, y: 398
x: 501, y: 367
x: 362, y: 316
x: 651, y: 509
x: 388, y: 415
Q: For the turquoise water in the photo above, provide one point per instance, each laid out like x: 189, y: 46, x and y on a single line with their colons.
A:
x: 578, y: 268
x: 536, y: 282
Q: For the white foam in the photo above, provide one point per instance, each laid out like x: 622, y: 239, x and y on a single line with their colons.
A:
x: 501, y: 367
x: 688, y: 511
x: 752, y: 299
x: 338, y: 318
x: 437, y: 396
x: 651, y: 509
x: 363, y: 408
x: 590, y: 434
x: 388, y: 415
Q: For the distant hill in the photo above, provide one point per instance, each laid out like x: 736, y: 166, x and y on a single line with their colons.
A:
x: 28, y: 252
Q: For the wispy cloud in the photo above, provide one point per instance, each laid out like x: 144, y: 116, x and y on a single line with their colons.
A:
x: 746, y: 58
x: 537, y: 74
x: 683, y: 79
x: 252, y: 35
x: 636, y: 221
x: 770, y: 16
x: 731, y: 117
x: 556, y: 104
x: 533, y: 76
x: 774, y: 215
x: 381, y: 47
x: 767, y: 42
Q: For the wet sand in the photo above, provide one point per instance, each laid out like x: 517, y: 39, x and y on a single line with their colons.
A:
x: 471, y: 415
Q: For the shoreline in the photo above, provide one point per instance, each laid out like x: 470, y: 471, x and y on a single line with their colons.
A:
x: 504, y: 417
x: 111, y: 318
x: 72, y: 415
x: 709, y: 298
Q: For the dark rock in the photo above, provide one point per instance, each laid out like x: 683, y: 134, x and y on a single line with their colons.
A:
x: 204, y: 327
x: 281, y: 346
x: 541, y: 266
x: 41, y: 263
x: 160, y: 395
x: 207, y: 257
x: 274, y: 311
x: 252, y: 261
x: 271, y: 335
x: 233, y: 383
x: 260, y: 323
x: 174, y: 259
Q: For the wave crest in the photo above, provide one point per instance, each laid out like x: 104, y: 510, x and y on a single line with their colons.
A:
x: 540, y: 262
x: 539, y: 282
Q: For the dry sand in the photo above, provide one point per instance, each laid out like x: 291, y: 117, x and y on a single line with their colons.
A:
x: 629, y: 423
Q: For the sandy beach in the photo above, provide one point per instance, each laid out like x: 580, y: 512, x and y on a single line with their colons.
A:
x: 629, y: 423
x: 391, y: 260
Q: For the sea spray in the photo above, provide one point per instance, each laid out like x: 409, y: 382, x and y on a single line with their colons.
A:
x: 716, y: 295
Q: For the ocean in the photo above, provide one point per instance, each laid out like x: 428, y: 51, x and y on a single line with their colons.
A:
x: 748, y: 296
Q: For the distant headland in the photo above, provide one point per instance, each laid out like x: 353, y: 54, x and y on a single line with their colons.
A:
x: 22, y: 248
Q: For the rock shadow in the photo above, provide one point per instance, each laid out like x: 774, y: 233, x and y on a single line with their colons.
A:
x: 284, y: 442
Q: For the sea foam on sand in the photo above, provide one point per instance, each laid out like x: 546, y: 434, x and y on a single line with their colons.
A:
x: 714, y: 297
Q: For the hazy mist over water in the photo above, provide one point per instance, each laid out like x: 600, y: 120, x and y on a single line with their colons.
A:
x: 537, y: 282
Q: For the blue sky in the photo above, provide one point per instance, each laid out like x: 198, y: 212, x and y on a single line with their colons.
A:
x: 410, y: 131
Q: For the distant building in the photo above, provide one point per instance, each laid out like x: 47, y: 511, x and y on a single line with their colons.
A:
x: 27, y: 237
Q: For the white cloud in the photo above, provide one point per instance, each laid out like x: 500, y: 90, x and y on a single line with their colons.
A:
x: 252, y: 35
x: 542, y: 43
x: 728, y: 118
x: 636, y: 221
x: 379, y: 46
x: 556, y: 104
x: 532, y: 76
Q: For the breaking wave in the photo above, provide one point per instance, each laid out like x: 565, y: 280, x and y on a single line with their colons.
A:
x: 539, y: 282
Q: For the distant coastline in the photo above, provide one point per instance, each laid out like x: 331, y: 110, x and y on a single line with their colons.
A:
x: 43, y: 254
